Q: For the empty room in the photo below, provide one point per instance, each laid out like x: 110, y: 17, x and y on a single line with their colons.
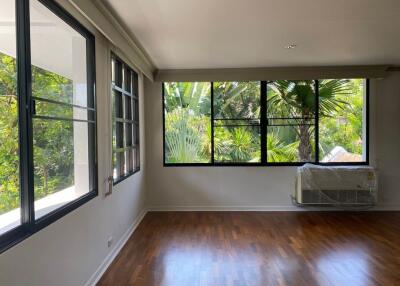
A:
x: 199, y: 143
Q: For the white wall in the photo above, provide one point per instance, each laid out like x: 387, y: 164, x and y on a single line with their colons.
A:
x: 386, y: 136
x: 264, y: 188
x: 69, y: 251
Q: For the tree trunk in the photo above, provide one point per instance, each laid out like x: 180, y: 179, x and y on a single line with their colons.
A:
x: 305, y: 144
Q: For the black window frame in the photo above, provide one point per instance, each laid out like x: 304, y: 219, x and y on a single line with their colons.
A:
x: 26, y: 112
x: 263, y: 134
x: 131, y: 94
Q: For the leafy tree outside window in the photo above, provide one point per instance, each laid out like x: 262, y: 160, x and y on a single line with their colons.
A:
x: 294, y: 110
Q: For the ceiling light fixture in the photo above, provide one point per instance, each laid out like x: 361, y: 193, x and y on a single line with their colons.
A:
x: 291, y: 46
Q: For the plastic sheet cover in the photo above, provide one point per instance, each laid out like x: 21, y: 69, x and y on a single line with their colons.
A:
x: 314, y: 177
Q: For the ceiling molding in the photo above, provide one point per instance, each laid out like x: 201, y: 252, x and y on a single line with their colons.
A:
x: 102, y: 18
x: 273, y: 73
x: 121, y: 27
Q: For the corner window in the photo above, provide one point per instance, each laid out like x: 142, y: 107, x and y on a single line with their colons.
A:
x: 48, y: 150
x: 125, y: 117
x: 281, y: 122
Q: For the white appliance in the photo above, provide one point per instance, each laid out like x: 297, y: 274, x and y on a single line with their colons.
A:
x: 336, y: 185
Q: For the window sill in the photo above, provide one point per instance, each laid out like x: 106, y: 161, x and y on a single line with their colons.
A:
x: 50, y: 213
x: 120, y: 179
x: 262, y: 164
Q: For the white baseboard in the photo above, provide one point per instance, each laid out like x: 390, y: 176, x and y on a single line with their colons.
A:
x: 114, y: 252
x: 224, y: 208
x: 381, y: 207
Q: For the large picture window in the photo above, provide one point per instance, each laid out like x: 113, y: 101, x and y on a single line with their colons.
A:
x: 281, y: 122
x: 125, y: 112
x: 48, y: 150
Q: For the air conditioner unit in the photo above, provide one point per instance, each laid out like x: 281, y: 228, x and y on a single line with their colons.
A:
x: 326, y: 185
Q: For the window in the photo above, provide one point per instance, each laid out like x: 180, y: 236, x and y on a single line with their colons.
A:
x: 291, y: 107
x: 236, y: 122
x: 125, y: 97
x: 10, y: 195
x: 342, y: 123
x: 187, y: 119
x: 48, y: 151
x: 281, y: 122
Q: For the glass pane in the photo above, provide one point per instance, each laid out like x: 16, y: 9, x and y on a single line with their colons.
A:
x: 290, y: 144
x: 128, y: 134
x: 237, y: 144
x: 135, y: 109
x: 43, y: 108
x: 10, y: 213
x: 120, y: 135
x: 236, y: 99
x: 291, y: 106
x: 58, y: 55
x: 119, y: 165
x: 60, y: 148
x: 128, y: 107
x: 113, y: 70
x: 61, y: 168
x: 124, y: 72
x: 128, y: 81
x: 342, y: 125
x: 128, y: 162
x: 114, y: 161
x: 117, y: 106
x: 136, y: 158
x: 187, y: 122
x: 136, y: 134
x: 135, y: 84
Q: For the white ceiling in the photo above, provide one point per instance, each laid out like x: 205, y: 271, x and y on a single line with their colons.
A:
x: 188, y: 34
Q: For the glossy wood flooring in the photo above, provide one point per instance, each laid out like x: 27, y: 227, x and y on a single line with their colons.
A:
x: 261, y: 248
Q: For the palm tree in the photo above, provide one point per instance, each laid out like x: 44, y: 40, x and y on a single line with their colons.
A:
x: 240, y: 100
x: 194, y: 96
x: 297, y: 100
x: 278, y: 151
x: 186, y: 104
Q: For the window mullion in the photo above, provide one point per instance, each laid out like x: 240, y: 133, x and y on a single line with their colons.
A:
x: 263, y: 121
x: 316, y: 128
x: 212, y: 122
x: 24, y: 112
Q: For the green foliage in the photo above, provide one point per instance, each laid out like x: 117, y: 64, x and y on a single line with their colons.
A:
x: 297, y: 99
x: 342, y: 124
x: 53, y: 146
x: 237, y: 100
x: 278, y: 151
x: 236, y: 144
x: 183, y: 137
x: 237, y: 103
x: 187, y: 122
x: 188, y: 128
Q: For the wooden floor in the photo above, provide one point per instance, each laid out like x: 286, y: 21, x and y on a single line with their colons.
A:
x: 260, y: 248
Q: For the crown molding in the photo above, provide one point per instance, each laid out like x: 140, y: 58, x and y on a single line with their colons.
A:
x: 110, y: 26
x: 271, y: 73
